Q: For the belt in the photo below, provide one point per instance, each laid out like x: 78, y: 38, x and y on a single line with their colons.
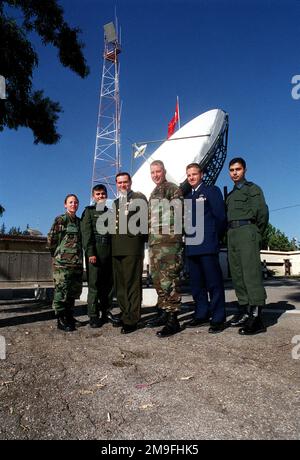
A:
x: 239, y: 223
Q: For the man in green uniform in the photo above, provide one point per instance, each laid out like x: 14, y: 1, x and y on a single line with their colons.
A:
x: 165, y: 249
x: 128, y: 251
x: 97, y: 249
x: 247, y: 215
x: 64, y: 243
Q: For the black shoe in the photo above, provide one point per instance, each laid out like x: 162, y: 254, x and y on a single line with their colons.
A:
x: 64, y: 325
x: 128, y: 328
x: 238, y: 319
x: 215, y: 328
x: 159, y: 320
x: 172, y: 326
x: 95, y: 322
x: 75, y: 322
x: 115, y: 320
x: 70, y: 319
x: 253, y: 325
x: 195, y: 322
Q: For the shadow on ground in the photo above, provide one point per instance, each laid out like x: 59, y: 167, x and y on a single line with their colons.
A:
x: 34, y: 311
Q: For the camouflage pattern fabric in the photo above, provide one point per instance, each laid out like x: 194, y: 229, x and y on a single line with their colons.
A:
x: 166, y: 249
x: 68, y: 286
x: 166, y: 264
x: 166, y: 191
x: 64, y: 243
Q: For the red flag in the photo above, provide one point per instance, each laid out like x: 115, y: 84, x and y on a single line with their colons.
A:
x: 172, y: 123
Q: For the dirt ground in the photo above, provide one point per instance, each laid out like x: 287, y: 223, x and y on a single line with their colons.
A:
x: 99, y: 384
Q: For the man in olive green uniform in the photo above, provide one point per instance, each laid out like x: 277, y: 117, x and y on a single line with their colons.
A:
x: 247, y: 215
x: 97, y: 247
x: 64, y: 243
x: 128, y: 252
x: 165, y: 249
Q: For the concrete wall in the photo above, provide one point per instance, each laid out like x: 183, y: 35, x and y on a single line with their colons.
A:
x: 275, y: 261
x: 280, y: 263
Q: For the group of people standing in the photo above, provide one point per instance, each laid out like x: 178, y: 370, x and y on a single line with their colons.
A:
x: 177, y: 224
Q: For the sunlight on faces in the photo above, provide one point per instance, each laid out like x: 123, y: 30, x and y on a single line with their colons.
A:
x: 99, y: 196
x: 71, y: 204
x: 194, y: 176
x: 158, y: 174
x: 123, y: 184
x: 237, y: 172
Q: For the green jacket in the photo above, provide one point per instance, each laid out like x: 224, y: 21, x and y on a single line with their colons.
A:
x: 64, y: 241
x: 94, y: 243
x: 248, y: 203
x: 128, y: 244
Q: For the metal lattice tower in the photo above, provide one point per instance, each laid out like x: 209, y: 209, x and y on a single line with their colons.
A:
x: 107, y: 157
x: 213, y: 162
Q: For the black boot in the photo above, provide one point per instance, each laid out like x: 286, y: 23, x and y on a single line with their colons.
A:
x: 172, y: 326
x: 159, y: 320
x: 254, y: 324
x: 108, y: 317
x: 239, y: 319
x: 69, y: 313
x: 63, y: 323
x: 95, y: 322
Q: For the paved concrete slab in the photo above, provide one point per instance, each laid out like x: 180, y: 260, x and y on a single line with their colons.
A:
x: 100, y: 384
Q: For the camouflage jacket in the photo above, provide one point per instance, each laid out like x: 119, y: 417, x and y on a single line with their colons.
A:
x: 64, y: 241
x: 165, y: 222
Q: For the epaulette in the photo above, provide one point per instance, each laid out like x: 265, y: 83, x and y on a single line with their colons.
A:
x: 91, y: 206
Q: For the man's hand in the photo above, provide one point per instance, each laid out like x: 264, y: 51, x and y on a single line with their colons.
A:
x: 92, y: 259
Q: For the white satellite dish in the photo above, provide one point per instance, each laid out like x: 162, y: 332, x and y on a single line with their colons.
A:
x: 202, y: 140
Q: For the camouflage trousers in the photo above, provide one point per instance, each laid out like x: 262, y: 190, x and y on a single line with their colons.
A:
x: 166, y: 264
x: 67, y: 287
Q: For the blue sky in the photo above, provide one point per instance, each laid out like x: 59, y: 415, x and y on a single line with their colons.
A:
x: 239, y: 56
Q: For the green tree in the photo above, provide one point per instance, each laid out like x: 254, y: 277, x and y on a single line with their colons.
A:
x: 2, y: 229
x: 23, y: 106
x: 26, y: 231
x: 276, y: 240
x: 1, y: 210
x: 15, y: 231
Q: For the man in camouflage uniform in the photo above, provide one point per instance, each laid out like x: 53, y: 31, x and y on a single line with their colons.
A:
x: 98, y: 258
x: 64, y: 243
x: 165, y: 249
x: 247, y: 215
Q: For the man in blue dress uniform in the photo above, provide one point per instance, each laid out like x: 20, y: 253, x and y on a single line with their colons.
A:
x: 207, y: 214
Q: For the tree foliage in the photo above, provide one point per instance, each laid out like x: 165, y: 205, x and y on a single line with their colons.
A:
x: 1, y: 210
x: 25, y: 107
x: 276, y: 240
x: 13, y: 231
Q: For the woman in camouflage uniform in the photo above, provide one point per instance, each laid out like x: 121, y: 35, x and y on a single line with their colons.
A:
x: 64, y: 243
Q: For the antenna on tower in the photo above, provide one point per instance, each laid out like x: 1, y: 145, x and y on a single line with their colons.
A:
x: 107, y: 157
